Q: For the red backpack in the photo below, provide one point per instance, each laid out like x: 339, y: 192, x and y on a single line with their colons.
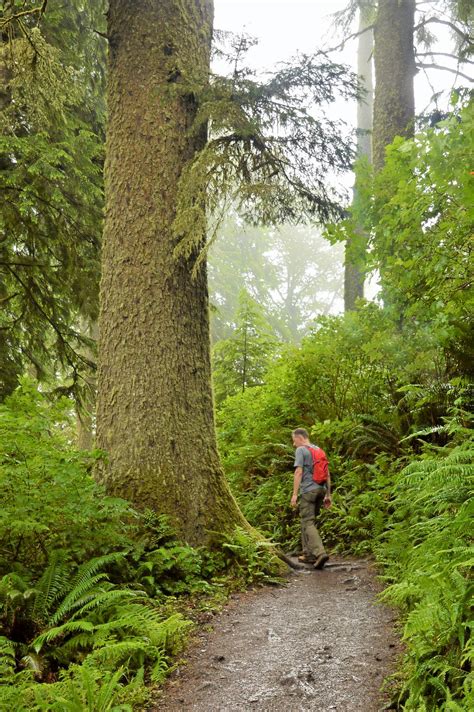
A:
x: 320, y: 465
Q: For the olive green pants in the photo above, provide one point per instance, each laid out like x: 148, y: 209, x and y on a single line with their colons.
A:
x: 310, y: 505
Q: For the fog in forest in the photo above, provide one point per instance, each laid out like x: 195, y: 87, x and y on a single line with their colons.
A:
x: 292, y: 271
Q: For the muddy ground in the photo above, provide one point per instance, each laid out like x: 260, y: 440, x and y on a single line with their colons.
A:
x: 319, y: 643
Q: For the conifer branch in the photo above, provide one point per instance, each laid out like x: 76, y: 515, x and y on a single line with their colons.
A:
x: 23, y: 264
x: 444, y: 54
x: 353, y: 36
x: 445, y: 69
x: 68, y: 349
x: 50, y: 321
x: 464, y: 36
x: 4, y: 300
x: 101, y: 34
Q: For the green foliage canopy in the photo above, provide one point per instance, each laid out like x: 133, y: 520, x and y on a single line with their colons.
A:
x: 419, y: 214
x: 430, y: 213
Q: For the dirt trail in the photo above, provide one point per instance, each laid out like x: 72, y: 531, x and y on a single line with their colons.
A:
x: 319, y: 643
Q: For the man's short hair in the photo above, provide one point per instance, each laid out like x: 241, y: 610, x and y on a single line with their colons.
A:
x: 302, y: 432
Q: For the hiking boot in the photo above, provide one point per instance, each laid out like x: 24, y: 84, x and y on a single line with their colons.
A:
x: 320, y: 561
x: 307, y: 559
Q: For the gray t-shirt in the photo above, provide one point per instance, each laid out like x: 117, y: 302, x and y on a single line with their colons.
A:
x: 304, y: 459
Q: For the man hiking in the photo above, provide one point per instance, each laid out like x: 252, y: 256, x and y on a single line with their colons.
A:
x: 312, y: 481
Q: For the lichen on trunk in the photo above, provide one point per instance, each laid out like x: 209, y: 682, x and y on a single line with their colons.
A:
x: 155, y: 415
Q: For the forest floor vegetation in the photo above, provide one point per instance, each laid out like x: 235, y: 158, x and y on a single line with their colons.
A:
x: 96, y: 599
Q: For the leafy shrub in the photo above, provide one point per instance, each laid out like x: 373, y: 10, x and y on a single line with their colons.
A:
x: 349, y: 371
x: 268, y: 509
x: 362, y: 506
x: 171, y: 570
x: 65, y: 616
x: 159, y: 562
x: 49, y: 498
x: 80, y: 688
x: 421, y: 218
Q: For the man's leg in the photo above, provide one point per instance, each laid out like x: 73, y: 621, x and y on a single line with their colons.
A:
x: 310, y: 504
x: 304, y: 543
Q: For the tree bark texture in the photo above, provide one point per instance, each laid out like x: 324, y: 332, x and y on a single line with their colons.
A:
x: 394, y: 60
x: 354, y: 257
x: 155, y: 413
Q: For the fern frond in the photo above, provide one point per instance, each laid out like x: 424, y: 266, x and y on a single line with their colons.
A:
x: 33, y: 662
x: 120, y: 652
x: 105, y: 599
x: 108, y: 691
x: 66, y: 629
x: 7, y: 659
x: 79, y: 642
x: 50, y: 586
x: 79, y: 594
x: 159, y: 670
x: 91, y: 567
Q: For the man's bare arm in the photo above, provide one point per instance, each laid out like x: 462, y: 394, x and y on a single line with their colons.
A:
x: 328, y: 497
x: 296, y: 485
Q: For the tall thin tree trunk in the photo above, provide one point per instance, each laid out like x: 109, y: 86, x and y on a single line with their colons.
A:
x: 244, y: 365
x: 394, y: 59
x: 155, y: 409
x: 394, y: 102
x: 354, y: 258
x: 85, y: 409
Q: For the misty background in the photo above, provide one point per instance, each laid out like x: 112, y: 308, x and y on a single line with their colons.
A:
x: 293, y: 273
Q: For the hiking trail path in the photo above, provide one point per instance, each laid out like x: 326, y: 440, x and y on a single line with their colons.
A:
x: 321, y: 642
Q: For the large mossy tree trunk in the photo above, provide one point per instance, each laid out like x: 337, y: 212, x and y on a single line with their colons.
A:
x: 394, y: 61
x: 155, y: 414
x: 355, y: 248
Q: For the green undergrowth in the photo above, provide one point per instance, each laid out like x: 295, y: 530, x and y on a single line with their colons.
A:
x: 97, y: 600
x: 393, y: 416
x: 427, y: 556
x: 416, y: 520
